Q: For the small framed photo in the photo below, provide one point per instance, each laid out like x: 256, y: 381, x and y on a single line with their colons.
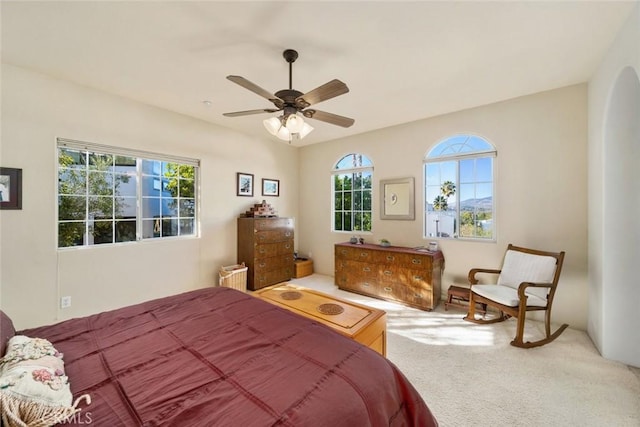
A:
x: 270, y: 187
x: 244, y: 184
x: 10, y: 188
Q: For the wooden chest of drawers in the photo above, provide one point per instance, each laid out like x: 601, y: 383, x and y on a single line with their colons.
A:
x: 266, y: 246
x: 394, y: 273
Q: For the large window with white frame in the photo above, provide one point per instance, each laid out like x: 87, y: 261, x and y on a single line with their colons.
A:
x: 352, y: 180
x: 110, y: 195
x: 459, y: 189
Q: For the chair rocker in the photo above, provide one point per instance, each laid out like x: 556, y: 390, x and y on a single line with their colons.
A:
x: 526, y: 282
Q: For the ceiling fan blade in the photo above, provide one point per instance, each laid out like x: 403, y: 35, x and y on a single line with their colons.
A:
x: 249, y: 112
x: 322, y: 93
x: 334, y: 119
x: 254, y: 88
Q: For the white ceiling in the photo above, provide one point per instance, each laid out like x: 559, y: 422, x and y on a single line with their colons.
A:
x: 403, y: 61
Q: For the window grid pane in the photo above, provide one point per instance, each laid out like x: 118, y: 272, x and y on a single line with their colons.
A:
x: 99, y: 201
x: 351, y: 188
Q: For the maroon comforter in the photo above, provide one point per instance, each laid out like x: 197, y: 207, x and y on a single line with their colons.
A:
x: 219, y: 357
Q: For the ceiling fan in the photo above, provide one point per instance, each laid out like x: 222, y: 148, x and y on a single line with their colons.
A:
x: 294, y: 104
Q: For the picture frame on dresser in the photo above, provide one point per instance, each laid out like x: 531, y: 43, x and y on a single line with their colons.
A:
x: 397, y: 199
x: 10, y: 188
x: 244, y: 184
x: 270, y: 187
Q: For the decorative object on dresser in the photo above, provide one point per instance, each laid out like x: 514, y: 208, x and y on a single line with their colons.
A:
x: 395, y: 273
x: 261, y: 210
x: 265, y: 245
x: 363, y: 324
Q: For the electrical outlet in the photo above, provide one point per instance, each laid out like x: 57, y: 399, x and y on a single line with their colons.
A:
x: 65, y: 302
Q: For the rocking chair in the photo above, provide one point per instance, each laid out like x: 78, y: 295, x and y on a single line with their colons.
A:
x: 527, y: 281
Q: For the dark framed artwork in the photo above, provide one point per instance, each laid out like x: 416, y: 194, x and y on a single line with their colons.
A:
x: 10, y: 188
x: 270, y: 187
x: 244, y: 184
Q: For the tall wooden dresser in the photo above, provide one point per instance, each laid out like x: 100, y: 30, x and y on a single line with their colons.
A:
x: 266, y: 246
x: 392, y: 273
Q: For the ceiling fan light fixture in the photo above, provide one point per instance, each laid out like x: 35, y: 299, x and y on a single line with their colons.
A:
x: 284, y: 134
x: 272, y: 125
x: 306, y: 130
x: 295, y: 123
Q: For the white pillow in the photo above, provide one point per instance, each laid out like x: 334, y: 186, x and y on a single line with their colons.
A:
x: 34, y: 389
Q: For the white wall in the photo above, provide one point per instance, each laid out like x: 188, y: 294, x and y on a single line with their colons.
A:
x: 35, y: 111
x: 614, y: 202
x: 541, y: 191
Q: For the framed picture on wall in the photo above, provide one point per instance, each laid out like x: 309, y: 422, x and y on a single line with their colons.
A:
x: 244, y: 184
x: 10, y: 188
x: 270, y: 187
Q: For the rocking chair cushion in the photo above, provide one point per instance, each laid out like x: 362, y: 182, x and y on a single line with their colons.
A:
x: 506, y: 295
x: 521, y: 267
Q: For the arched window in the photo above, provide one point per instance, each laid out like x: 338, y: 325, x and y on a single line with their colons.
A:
x: 352, y: 178
x: 459, y: 189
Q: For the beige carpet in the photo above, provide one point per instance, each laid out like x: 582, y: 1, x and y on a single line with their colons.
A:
x: 469, y: 374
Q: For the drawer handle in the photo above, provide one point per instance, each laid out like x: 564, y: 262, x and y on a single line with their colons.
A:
x: 364, y: 254
x: 287, y: 234
x: 366, y: 285
x: 390, y: 257
x: 261, y: 250
x: 288, y: 246
x: 416, y: 261
x: 343, y: 252
x: 388, y: 272
x: 387, y: 288
x: 262, y: 264
x: 417, y: 277
x: 418, y: 296
x: 366, y: 269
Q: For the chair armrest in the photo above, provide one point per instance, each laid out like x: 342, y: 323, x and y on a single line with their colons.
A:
x: 524, y: 285
x: 473, y: 271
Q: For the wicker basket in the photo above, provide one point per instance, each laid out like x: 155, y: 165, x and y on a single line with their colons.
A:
x: 234, y: 276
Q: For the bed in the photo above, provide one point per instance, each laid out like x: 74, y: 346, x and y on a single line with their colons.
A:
x: 220, y: 357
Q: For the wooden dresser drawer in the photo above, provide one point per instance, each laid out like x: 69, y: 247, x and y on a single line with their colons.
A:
x: 274, y: 263
x: 356, y: 253
x: 272, y: 223
x: 269, y: 250
x: 269, y: 277
x: 270, y: 236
